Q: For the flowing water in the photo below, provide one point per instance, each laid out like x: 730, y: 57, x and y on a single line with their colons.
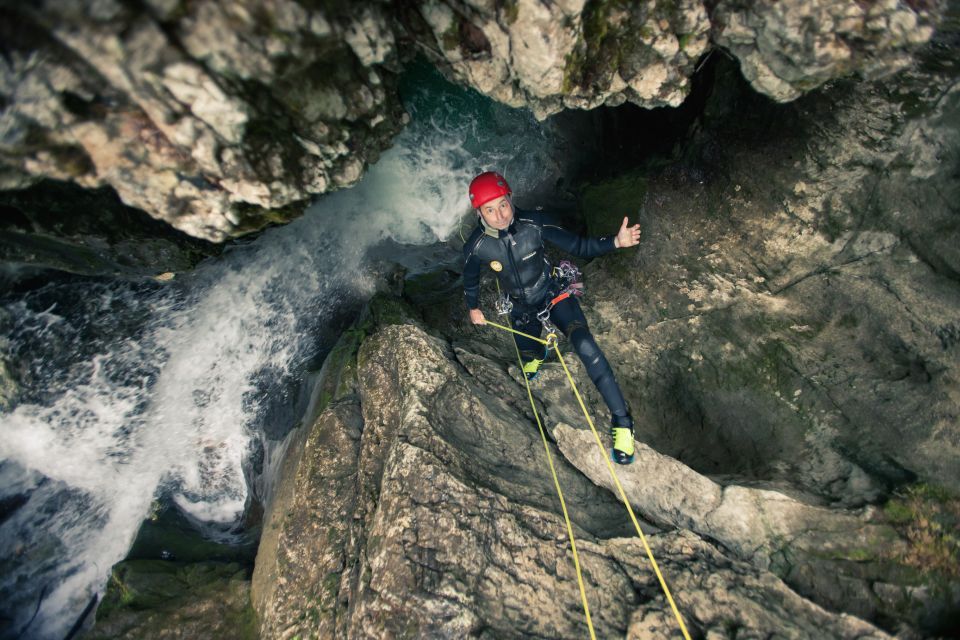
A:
x: 133, y: 392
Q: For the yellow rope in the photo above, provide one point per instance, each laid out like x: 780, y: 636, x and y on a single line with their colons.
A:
x: 563, y: 504
x: 556, y: 480
x: 623, y: 496
x: 519, y: 333
x: 613, y: 474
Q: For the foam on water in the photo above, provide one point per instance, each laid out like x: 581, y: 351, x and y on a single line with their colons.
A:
x: 132, y: 391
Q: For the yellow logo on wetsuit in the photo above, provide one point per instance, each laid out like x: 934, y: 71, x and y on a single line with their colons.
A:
x: 496, y: 266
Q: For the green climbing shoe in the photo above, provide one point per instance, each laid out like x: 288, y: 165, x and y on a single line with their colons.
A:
x: 532, y: 369
x: 622, y: 432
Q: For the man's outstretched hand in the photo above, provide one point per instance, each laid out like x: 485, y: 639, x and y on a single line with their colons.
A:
x: 627, y: 236
x: 476, y: 316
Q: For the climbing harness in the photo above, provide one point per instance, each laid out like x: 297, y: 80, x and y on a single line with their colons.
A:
x: 567, y: 282
x: 570, y: 276
x: 552, y: 342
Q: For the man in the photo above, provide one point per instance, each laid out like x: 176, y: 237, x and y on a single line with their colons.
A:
x: 510, y: 242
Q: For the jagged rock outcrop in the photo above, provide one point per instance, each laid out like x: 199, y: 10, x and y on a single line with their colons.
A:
x: 157, y: 599
x: 222, y: 118
x: 59, y: 225
x: 421, y: 505
x: 787, y: 48
x: 551, y: 56
x: 216, y: 118
x: 840, y: 559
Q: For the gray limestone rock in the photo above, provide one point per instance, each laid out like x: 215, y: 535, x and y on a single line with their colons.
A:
x: 787, y: 48
x: 222, y: 118
x: 551, y: 56
x: 437, y: 518
x: 216, y: 118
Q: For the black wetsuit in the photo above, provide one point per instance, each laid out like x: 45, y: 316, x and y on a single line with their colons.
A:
x: 516, y: 255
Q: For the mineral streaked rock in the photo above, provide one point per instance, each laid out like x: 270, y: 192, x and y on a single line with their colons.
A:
x: 156, y: 599
x: 221, y: 118
x: 215, y: 117
x: 437, y: 519
x: 787, y: 48
x: 550, y: 56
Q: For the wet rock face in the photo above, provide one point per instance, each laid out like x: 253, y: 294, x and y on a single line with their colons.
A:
x: 782, y: 335
x: 216, y: 118
x: 551, y: 56
x: 155, y: 599
x: 791, y: 305
x: 222, y: 118
x: 787, y: 48
x: 59, y: 225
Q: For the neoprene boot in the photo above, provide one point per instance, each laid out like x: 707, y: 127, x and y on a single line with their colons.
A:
x: 531, y: 369
x: 622, y: 431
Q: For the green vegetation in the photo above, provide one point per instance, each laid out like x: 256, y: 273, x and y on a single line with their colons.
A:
x: 341, y: 366
x: 169, y: 587
x: 511, y: 11
x: 451, y: 37
x: 604, y: 206
x: 343, y: 362
x: 849, y: 320
x: 432, y: 287
x: 331, y: 585
x: 600, y: 51
x: 253, y: 218
x: 386, y: 309
x: 245, y: 624
x: 929, y: 518
x: 606, y: 203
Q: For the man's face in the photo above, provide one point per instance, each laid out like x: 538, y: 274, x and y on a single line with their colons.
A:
x: 498, y: 213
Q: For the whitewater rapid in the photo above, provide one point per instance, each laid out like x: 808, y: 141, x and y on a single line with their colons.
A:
x: 135, y: 390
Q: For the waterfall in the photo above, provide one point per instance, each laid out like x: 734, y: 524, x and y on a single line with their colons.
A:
x: 130, y: 391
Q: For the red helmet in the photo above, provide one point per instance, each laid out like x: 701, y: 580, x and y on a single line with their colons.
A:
x: 486, y: 187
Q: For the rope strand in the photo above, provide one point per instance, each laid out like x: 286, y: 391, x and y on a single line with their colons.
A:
x: 556, y: 480
x: 613, y: 474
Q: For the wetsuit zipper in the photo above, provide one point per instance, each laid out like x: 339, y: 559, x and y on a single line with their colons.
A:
x: 513, y: 265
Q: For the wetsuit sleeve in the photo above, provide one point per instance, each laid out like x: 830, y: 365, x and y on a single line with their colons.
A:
x: 471, y: 277
x: 580, y: 246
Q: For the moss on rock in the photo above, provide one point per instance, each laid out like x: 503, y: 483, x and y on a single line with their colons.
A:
x: 605, y: 203
x: 158, y: 599
x: 928, y: 516
x: 386, y: 309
